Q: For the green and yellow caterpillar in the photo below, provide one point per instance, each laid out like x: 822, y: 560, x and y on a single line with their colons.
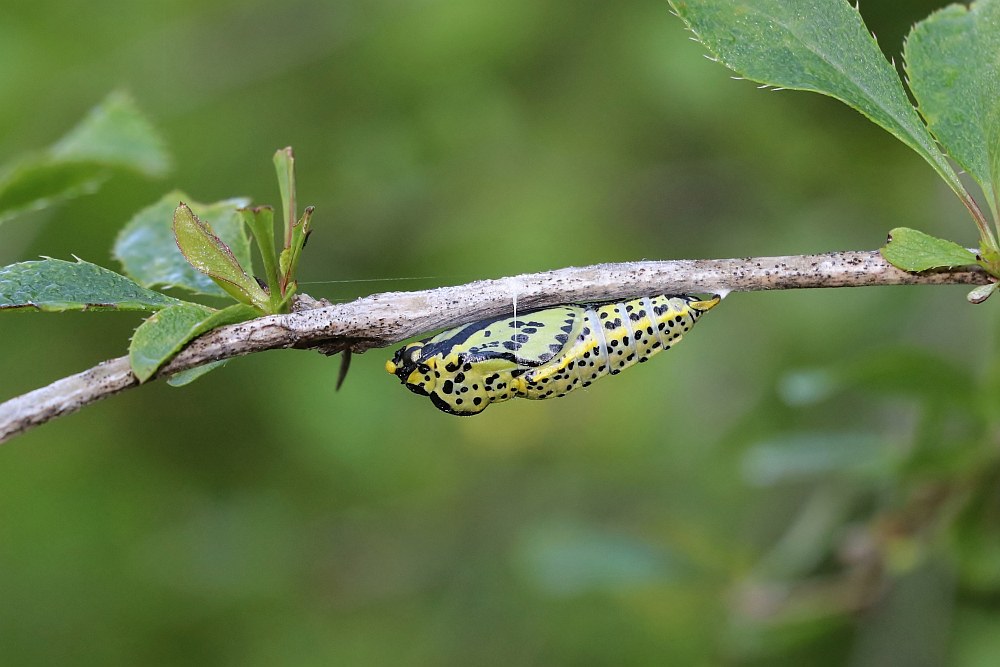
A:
x: 542, y: 354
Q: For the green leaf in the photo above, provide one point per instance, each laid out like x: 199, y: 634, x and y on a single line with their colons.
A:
x: 809, y: 455
x: 56, y: 285
x: 953, y: 67
x: 284, y: 165
x: 565, y: 558
x: 113, y: 136
x: 900, y: 372
x: 40, y: 182
x: 911, y: 250
x: 816, y: 45
x: 115, y: 133
x: 207, y: 253
x: 164, y: 334
x: 289, y: 259
x: 190, y: 375
x: 300, y: 234
x: 148, y: 251
x: 260, y: 221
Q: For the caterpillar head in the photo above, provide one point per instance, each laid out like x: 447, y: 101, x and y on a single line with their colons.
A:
x: 415, y: 373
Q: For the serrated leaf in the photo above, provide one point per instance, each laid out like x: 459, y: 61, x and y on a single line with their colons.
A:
x: 953, y: 66
x: 816, y: 45
x: 56, y: 285
x: 114, y: 135
x: 912, y: 250
x: 148, y: 252
x: 164, y: 334
x: 207, y: 253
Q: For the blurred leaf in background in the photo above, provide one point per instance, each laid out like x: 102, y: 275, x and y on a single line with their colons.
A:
x: 779, y: 490
x: 114, y: 135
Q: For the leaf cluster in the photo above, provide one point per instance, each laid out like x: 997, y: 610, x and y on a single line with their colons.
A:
x: 169, y: 244
x: 952, y: 62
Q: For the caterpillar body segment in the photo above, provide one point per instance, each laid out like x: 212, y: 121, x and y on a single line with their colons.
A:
x: 544, y: 353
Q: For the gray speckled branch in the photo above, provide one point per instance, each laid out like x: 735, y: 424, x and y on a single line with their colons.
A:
x: 384, y: 319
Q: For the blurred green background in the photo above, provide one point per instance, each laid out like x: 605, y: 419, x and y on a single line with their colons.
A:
x: 811, y: 478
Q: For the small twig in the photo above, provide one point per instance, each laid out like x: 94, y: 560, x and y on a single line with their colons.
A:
x: 384, y: 319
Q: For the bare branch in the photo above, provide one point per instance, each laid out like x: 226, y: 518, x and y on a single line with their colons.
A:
x: 384, y: 319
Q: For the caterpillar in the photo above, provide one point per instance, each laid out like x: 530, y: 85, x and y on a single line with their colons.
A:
x: 543, y: 353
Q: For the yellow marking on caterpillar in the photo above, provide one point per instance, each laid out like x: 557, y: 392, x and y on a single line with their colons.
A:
x: 542, y: 354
